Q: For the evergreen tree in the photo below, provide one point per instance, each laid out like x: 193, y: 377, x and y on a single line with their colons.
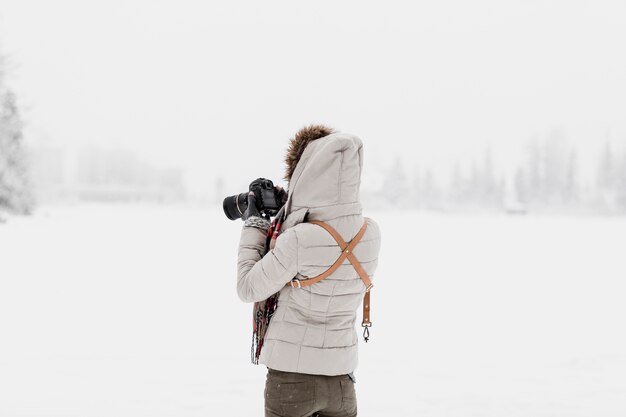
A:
x: 415, y: 188
x: 522, y: 187
x: 619, y: 179
x: 571, y: 180
x: 606, y: 169
x: 431, y: 192
x: 14, y: 186
x: 536, y: 175
x: 492, y: 188
x: 607, y: 178
x: 456, y: 193
x: 395, y: 186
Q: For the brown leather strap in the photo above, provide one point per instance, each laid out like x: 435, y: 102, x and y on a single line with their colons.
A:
x: 366, y: 309
x: 347, y: 250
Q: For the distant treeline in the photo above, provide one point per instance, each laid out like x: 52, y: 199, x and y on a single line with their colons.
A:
x: 15, y: 192
x: 547, y: 179
x: 93, y: 174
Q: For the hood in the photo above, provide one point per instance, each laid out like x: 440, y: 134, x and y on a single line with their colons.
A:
x: 326, y: 179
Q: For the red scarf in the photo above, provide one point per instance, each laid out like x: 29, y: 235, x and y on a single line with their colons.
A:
x: 264, y: 310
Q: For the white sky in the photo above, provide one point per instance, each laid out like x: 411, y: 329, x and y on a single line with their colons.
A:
x: 219, y: 87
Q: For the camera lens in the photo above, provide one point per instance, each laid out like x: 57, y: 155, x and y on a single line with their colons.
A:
x: 235, y: 205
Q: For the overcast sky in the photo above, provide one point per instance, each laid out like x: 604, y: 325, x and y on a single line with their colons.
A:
x: 218, y: 87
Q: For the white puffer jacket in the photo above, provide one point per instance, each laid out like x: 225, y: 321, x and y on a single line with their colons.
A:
x: 313, y: 329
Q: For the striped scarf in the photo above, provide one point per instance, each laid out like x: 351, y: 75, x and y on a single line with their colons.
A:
x: 264, y: 310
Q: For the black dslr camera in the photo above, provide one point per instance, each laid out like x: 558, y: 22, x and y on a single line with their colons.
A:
x: 268, y: 200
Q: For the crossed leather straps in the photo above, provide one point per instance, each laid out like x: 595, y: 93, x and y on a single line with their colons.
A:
x: 346, y: 253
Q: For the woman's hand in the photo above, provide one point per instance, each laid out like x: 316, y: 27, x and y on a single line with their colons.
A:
x: 251, y: 211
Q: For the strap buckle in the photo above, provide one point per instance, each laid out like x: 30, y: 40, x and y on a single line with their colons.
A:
x: 295, y: 283
x: 366, y: 331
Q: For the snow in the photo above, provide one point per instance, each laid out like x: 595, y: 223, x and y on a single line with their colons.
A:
x: 131, y: 311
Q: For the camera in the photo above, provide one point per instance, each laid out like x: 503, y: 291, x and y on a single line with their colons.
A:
x: 268, y: 200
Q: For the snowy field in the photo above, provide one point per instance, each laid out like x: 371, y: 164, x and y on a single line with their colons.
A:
x: 131, y: 311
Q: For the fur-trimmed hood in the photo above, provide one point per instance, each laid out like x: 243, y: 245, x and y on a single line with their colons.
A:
x: 324, y: 174
x: 299, y: 142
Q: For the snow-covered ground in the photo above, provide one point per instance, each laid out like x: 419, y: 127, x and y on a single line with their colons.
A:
x: 131, y: 311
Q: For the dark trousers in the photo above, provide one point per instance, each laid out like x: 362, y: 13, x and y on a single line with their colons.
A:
x: 289, y: 394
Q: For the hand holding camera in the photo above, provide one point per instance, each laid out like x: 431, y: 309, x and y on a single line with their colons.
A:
x: 263, y: 200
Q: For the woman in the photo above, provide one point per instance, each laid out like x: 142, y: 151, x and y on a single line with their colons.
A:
x: 310, y: 346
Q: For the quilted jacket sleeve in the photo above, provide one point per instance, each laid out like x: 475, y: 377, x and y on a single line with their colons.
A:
x: 260, y: 276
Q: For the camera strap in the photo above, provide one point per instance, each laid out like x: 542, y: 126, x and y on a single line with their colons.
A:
x: 347, y: 250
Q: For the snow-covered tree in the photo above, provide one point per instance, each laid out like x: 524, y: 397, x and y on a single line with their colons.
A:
x: 572, y: 186
x: 549, y: 175
x: 620, y: 183
x: 609, y: 182
x: 606, y: 169
x: 396, y: 187
x: 15, y: 192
